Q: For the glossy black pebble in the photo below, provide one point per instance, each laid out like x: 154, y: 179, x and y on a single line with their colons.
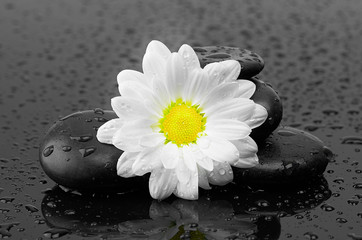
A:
x: 289, y: 156
x: 71, y: 155
x: 251, y: 63
x: 268, y: 98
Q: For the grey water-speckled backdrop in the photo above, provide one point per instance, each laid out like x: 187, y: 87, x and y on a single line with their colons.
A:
x: 58, y: 57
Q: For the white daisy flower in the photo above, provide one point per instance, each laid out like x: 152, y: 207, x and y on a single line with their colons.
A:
x: 185, y: 125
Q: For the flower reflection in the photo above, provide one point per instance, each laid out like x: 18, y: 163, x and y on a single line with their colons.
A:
x: 183, y: 219
x: 234, y: 212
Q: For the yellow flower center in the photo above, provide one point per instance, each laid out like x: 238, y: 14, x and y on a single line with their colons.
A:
x: 182, y: 123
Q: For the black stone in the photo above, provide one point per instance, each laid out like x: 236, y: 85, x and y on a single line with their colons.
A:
x: 251, y: 63
x: 71, y: 155
x: 288, y: 156
x: 266, y: 96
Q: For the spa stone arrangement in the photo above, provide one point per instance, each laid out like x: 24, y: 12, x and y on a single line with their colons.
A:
x: 71, y: 155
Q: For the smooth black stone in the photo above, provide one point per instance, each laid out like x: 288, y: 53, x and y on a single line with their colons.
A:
x: 288, y: 156
x: 266, y: 96
x: 251, y: 63
x: 71, y: 155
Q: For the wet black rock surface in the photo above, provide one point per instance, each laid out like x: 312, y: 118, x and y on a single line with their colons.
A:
x: 250, y: 62
x: 71, y: 155
x: 288, y: 157
x: 59, y: 57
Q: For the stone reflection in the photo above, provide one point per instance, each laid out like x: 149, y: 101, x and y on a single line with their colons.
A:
x: 230, y: 212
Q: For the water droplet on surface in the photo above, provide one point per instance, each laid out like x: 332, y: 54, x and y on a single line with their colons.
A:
x: 352, y: 202
x: 84, y: 138
x: 47, y: 151
x: 101, y: 119
x: 341, y: 220
x: 98, y: 111
x: 338, y: 180
x: 310, y: 236
x: 327, y: 208
x: 87, y: 151
x: 357, y: 185
x: 66, y: 148
x: 351, y: 140
x: 55, y: 233
x: 31, y: 208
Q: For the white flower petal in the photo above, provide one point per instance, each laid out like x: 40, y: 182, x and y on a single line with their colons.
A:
x: 137, y: 128
x: 133, y: 76
x: 133, y: 89
x: 218, y: 149
x: 161, y: 95
x: 203, y: 178
x: 169, y: 155
x: 221, y: 175
x: 246, y: 147
x: 196, y: 85
x: 159, y: 48
x: 106, y: 132
x: 176, y: 75
x: 147, y: 161
x: 183, y: 173
x: 128, y: 108
x: 188, y: 158
x: 247, y: 153
x: 152, y: 139
x: 201, y: 159
x: 126, y: 144
x: 246, y: 88
x: 224, y: 71
x: 259, y: 116
x: 246, y: 162
x: 153, y: 66
x: 229, y: 129
x: 236, y: 108
x: 221, y: 92
x: 188, y: 190
x: 162, y: 183
x: 124, y: 164
x: 190, y: 57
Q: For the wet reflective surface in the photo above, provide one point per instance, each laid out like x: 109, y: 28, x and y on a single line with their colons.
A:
x: 60, y: 57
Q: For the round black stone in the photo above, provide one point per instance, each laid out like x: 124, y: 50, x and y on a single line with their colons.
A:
x: 71, y: 155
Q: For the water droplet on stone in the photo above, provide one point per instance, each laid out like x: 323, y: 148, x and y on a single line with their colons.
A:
x: 357, y: 185
x: 47, y: 151
x: 352, y: 202
x: 351, y: 140
x: 310, y: 236
x: 84, y: 138
x: 338, y: 180
x: 66, y: 148
x: 341, y: 220
x: 98, y: 111
x: 87, y: 151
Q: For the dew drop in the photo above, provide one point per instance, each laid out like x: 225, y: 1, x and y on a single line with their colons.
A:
x: 310, y: 236
x: 351, y: 140
x: 69, y: 212
x: 55, y: 233
x: 352, y: 202
x: 51, y: 204
x: 98, y: 111
x: 327, y: 208
x: 341, y: 220
x: 263, y: 203
x: 357, y: 185
x: 47, y: 151
x: 338, y: 180
x: 87, y: 151
x: 222, y: 171
x: 31, y: 208
x: 66, y: 148
x: 84, y: 138
x: 100, y: 119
